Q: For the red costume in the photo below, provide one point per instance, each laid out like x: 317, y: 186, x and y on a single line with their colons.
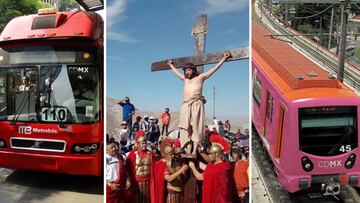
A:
x: 241, y: 177
x: 118, y: 196
x: 217, y: 185
x: 165, y: 118
x: 140, y: 166
x: 169, y: 192
x: 160, y: 168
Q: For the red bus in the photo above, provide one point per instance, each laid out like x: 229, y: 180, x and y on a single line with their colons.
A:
x: 51, y: 93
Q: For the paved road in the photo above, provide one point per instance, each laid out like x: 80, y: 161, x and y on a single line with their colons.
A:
x: 39, y: 187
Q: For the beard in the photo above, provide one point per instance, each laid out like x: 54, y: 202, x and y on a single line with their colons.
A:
x: 191, y: 76
x: 142, y: 148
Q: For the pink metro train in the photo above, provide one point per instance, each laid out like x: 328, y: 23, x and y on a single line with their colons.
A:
x: 307, y: 120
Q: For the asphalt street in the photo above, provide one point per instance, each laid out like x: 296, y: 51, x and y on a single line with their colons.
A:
x: 41, y: 187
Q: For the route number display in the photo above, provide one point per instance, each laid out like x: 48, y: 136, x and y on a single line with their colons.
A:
x: 57, y: 114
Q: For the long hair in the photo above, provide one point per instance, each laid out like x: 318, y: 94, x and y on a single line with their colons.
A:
x: 193, y: 67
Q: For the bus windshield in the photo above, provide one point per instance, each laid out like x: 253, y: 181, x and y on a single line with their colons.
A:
x: 50, y: 93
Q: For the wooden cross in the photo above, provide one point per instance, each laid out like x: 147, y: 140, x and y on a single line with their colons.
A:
x: 200, y: 58
x: 199, y: 32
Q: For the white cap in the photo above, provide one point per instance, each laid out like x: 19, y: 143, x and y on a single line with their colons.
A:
x: 151, y: 118
x: 124, y: 123
x: 146, y: 116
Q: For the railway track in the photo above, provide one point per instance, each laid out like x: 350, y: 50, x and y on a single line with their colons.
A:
x: 260, y: 192
x: 267, y: 173
x: 279, y: 195
x: 316, y: 52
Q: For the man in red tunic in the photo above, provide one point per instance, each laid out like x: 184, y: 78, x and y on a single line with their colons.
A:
x: 217, y: 186
x: 169, y: 174
x: 115, y: 176
x: 140, y: 166
x: 241, y: 176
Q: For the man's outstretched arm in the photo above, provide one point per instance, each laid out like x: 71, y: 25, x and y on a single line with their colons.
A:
x: 175, y: 70
x: 226, y: 55
x: 121, y: 102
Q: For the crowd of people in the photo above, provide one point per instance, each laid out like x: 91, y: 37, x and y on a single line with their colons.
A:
x: 144, y: 164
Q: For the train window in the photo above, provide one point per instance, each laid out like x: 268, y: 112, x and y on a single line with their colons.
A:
x: 328, y: 131
x: 257, y: 90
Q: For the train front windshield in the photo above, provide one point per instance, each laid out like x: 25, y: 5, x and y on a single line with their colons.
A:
x: 49, y: 85
x: 328, y: 131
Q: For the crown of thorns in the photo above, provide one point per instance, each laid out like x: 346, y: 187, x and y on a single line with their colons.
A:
x: 189, y: 65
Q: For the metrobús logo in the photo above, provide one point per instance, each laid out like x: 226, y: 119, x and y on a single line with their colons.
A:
x: 24, y: 130
x: 27, y: 130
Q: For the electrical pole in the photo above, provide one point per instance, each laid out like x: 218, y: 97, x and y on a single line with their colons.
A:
x: 286, y: 12
x: 214, y: 102
x: 320, y: 21
x: 343, y: 36
x: 331, y: 25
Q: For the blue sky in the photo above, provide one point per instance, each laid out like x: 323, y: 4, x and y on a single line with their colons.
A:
x: 140, y: 32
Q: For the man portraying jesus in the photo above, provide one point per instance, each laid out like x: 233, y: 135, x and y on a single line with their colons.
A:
x: 192, y: 114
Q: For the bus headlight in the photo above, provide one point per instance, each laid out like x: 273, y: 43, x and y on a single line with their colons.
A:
x: 307, y: 165
x: 350, y: 162
x: 89, y: 148
x: 2, y: 143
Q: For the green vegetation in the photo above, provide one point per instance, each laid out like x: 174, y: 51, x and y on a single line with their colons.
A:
x: 308, y: 29
x: 357, y: 51
x: 10, y: 9
x: 68, y: 5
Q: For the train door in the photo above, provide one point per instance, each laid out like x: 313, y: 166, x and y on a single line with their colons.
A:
x: 268, y: 114
x: 279, y: 133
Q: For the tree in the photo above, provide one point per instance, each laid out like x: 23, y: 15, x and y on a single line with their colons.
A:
x: 10, y: 9
x: 68, y: 5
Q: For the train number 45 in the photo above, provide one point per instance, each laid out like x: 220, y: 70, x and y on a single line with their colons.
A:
x: 345, y: 148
